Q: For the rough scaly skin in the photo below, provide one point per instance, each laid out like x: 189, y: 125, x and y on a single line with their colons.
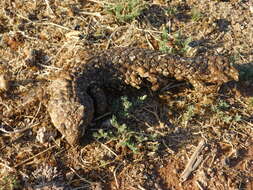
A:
x: 71, y: 107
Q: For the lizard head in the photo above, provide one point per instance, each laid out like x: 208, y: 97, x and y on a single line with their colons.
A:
x: 70, y: 110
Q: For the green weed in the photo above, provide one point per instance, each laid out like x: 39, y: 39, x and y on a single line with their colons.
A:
x: 123, y: 106
x: 188, y: 115
x: 195, y: 15
x: 126, y: 10
x: 222, y: 105
x: 178, y: 44
x: 251, y: 101
x: 171, y: 11
x: 163, y: 43
x: 120, y: 133
x: 237, y: 117
x: 220, y: 111
x: 9, y: 182
x: 125, y: 137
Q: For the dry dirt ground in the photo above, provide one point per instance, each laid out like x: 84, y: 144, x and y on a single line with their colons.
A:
x: 145, y: 140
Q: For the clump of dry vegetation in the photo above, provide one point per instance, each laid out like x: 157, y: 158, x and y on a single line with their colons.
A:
x: 146, y: 139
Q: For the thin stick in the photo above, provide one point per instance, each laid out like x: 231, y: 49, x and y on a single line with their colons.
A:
x: 81, y: 178
x: 91, y: 14
x: 194, y: 161
x: 57, y: 25
x: 115, y: 176
x: 109, y: 149
x: 36, y: 155
x: 48, y: 7
x: 18, y: 130
x: 6, y: 166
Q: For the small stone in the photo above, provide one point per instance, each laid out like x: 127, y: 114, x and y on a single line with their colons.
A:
x: 70, y: 175
x: 44, y: 136
x: 4, y: 83
x: 220, y: 50
x: 251, y: 7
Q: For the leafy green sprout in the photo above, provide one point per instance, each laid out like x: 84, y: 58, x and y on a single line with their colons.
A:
x: 127, y: 105
x: 171, y: 11
x: 188, y: 115
x: 251, y: 101
x: 122, y: 134
x: 164, y: 41
x: 180, y: 44
x: 237, y: 118
x: 226, y: 118
x: 9, y: 182
x: 220, y: 109
x: 223, y: 105
x: 126, y: 10
x: 123, y: 105
x: 195, y: 15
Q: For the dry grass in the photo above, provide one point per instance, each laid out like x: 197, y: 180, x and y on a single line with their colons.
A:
x: 149, y: 141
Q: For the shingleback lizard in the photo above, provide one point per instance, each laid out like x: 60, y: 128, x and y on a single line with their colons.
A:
x: 67, y: 98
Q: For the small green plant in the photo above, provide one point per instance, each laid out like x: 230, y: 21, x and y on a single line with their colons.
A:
x: 177, y: 44
x: 222, y: 105
x: 127, y: 105
x: 102, y: 134
x: 195, y: 15
x: 171, y: 11
x: 237, y: 117
x: 125, y: 137
x: 188, y: 115
x: 220, y: 111
x: 182, y: 44
x: 163, y: 43
x: 251, y: 101
x: 9, y: 182
x: 226, y: 118
x: 123, y: 106
x: 126, y: 10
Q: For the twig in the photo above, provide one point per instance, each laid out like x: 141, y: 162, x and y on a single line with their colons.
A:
x: 112, y: 34
x: 199, y: 185
x: 149, y: 43
x: 36, y: 155
x: 57, y: 25
x: 48, y: 7
x: 168, y: 148
x: 158, y: 187
x: 109, y: 149
x: 37, y: 112
x: 141, y: 188
x: 91, y: 14
x: 6, y: 166
x: 81, y: 178
x: 194, y: 161
x: 102, y: 116
x: 170, y: 86
x: 18, y: 130
x: 101, y: 2
x: 115, y: 177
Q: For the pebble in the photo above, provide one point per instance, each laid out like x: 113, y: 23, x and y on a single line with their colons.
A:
x: 4, y: 84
